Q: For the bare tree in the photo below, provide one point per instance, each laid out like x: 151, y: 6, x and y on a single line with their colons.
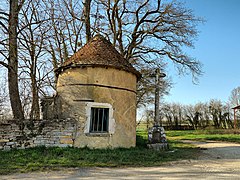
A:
x: 11, y: 17
x: 202, y: 114
x: 87, y: 11
x: 228, y: 115
x: 148, y: 33
x: 189, y: 114
x: 168, y: 115
x: 3, y: 95
x: 32, y: 39
x: 220, y: 114
x: 170, y: 25
x: 234, y: 97
x: 174, y: 114
x: 30, y: 44
x: 66, y: 30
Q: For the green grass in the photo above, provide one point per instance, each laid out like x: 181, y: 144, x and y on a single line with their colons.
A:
x: 203, y: 135
x: 41, y: 158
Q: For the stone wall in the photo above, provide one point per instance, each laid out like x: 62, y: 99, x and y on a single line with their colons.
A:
x: 14, y: 134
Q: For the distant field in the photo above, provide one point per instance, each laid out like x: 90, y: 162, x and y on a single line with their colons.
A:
x: 230, y: 135
x: 216, y: 135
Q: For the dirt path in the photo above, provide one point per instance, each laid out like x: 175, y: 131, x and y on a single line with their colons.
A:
x: 219, y: 160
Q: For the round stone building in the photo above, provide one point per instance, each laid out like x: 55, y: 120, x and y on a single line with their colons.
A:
x: 97, y: 87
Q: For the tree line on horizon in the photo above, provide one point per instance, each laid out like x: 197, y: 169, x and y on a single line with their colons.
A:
x: 212, y: 114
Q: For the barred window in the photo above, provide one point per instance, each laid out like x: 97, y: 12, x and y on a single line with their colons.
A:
x: 99, y: 120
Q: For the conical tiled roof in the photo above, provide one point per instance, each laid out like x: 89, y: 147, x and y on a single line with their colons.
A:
x: 99, y: 52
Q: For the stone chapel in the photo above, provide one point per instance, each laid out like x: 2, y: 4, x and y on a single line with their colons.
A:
x: 97, y: 87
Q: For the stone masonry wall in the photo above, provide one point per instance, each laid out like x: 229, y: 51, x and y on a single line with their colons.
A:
x: 34, y: 133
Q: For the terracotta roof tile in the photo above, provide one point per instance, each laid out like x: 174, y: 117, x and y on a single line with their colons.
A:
x: 99, y: 52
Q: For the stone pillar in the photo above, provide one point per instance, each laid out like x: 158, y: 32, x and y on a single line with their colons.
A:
x: 156, y: 135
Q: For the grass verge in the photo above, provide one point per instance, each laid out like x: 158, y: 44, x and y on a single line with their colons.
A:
x: 53, y: 158
x: 203, y: 135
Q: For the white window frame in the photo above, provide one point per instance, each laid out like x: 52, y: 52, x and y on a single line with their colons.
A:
x: 111, y: 121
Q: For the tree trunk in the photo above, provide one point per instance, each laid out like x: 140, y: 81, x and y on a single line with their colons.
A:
x: 87, y: 8
x: 35, y: 109
x: 13, y: 62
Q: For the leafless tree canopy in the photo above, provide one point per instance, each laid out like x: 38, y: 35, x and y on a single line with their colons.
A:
x: 150, y: 34
x: 234, y: 97
x: 37, y: 36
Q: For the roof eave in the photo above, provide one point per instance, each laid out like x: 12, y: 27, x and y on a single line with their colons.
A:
x: 69, y: 66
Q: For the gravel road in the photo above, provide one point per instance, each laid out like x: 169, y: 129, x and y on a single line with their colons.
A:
x: 219, y: 160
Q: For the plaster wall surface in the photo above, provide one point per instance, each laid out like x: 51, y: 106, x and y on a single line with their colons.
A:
x: 78, y: 86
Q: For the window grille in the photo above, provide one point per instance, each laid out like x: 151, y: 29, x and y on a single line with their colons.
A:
x: 99, y: 120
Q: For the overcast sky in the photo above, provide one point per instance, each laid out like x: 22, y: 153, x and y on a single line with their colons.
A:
x: 218, y: 48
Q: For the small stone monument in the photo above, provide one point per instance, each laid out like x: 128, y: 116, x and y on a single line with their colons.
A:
x: 157, y: 138
x: 156, y: 135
